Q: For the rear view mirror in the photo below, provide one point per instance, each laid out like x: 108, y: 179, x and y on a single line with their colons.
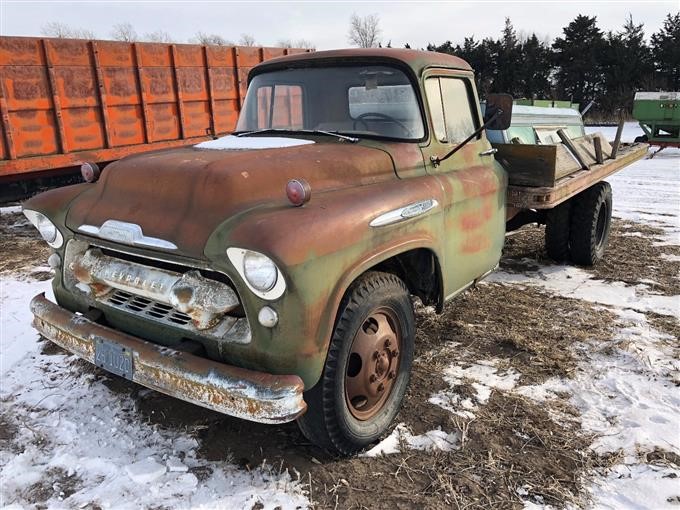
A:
x: 494, y: 104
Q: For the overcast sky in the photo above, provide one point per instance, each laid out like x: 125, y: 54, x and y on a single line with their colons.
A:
x: 325, y: 24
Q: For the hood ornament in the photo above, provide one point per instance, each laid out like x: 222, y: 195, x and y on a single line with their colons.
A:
x: 126, y: 233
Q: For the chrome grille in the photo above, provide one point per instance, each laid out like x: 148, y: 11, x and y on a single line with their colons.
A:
x: 144, y: 306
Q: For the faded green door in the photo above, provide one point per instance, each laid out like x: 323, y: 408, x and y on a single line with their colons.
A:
x: 473, y: 183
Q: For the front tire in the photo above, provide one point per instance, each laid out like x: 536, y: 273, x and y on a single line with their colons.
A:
x: 367, y: 369
x: 590, y: 224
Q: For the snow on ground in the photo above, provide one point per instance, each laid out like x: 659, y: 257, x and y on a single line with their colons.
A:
x: 16, y: 318
x: 649, y: 190
x: 484, y: 377
x: 401, y: 437
x: 106, y: 456
x: 577, y: 283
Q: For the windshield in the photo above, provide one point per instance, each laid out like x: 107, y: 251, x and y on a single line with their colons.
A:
x: 356, y: 100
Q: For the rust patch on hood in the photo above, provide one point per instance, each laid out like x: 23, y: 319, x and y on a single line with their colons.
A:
x: 183, y: 195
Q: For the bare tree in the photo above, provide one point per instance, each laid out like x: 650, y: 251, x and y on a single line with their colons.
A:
x: 298, y: 43
x: 210, y: 40
x: 364, y: 31
x: 247, y: 40
x: 124, y: 32
x: 159, y: 36
x: 63, y: 31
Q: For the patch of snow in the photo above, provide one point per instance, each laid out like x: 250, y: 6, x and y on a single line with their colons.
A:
x: 68, y: 420
x: 10, y: 209
x: 483, y: 376
x: 572, y: 282
x: 628, y: 398
x: 670, y: 257
x: 175, y: 465
x: 401, y: 436
x: 231, y: 143
x: 17, y: 339
x: 638, y: 487
x: 145, y: 471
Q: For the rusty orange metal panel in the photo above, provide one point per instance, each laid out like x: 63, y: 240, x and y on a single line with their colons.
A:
x: 36, y: 132
x: 116, y: 54
x: 64, y: 101
x: 27, y: 88
x: 21, y: 51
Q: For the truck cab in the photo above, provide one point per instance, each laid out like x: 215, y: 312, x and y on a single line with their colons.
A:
x: 269, y: 274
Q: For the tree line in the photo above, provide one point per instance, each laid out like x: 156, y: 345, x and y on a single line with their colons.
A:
x: 582, y: 65
x: 126, y: 32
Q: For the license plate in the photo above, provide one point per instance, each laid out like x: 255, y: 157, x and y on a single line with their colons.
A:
x: 113, y: 357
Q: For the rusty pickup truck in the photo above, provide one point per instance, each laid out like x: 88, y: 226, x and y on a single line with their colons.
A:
x: 270, y: 274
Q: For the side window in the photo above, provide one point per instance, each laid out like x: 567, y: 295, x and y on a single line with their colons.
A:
x: 434, y: 98
x: 453, y: 116
x: 283, y: 111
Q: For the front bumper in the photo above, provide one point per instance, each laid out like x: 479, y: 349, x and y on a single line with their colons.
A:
x: 235, y: 391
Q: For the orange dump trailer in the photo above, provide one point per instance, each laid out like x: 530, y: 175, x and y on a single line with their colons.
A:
x: 65, y: 101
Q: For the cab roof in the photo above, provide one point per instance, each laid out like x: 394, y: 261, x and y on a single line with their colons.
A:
x: 417, y: 60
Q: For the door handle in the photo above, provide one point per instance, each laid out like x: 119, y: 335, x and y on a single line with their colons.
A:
x: 489, y: 152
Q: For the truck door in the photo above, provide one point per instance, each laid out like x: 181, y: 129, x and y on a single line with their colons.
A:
x: 473, y: 183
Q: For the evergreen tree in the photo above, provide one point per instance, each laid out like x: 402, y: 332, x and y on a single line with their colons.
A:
x: 536, y: 69
x: 508, y: 62
x: 627, y: 65
x: 666, y: 45
x: 577, y: 57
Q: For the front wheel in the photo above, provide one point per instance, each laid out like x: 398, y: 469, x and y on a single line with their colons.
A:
x: 367, y: 369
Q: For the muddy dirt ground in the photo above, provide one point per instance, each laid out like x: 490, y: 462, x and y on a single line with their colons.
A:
x: 512, y: 441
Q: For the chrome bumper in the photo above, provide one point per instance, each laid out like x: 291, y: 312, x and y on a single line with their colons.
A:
x: 235, y: 391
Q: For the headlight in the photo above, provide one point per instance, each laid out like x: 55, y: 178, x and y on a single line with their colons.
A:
x: 259, y: 270
x: 47, y: 229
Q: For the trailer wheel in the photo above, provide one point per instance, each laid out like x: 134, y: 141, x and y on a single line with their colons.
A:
x: 557, y: 227
x: 590, y: 224
x: 367, y: 369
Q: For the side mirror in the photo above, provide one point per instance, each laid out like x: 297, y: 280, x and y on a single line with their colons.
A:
x: 494, y: 103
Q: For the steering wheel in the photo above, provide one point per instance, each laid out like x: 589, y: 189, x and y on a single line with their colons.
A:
x: 383, y: 116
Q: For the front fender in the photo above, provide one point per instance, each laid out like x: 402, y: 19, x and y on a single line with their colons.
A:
x: 321, y: 249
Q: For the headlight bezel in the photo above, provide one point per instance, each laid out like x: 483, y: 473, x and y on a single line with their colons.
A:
x: 238, y: 256
x: 48, y: 230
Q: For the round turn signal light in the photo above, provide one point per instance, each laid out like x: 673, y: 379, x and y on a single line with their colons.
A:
x: 298, y: 192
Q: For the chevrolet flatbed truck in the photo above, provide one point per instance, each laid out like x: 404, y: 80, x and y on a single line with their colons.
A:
x: 270, y: 274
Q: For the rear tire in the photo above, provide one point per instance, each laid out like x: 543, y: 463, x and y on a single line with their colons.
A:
x: 367, y: 369
x: 557, y: 227
x: 590, y: 224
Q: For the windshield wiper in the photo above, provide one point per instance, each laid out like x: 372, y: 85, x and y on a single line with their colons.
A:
x: 265, y: 130
x: 351, y: 139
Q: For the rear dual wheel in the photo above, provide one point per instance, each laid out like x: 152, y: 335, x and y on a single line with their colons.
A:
x: 367, y: 369
x: 578, y: 229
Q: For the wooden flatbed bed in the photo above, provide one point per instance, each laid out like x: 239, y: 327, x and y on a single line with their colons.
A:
x: 547, y: 197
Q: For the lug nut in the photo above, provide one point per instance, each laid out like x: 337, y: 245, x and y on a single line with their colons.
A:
x: 372, y: 378
x: 391, y: 375
x: 395, y: 353
x: 387, y: 343
x: 381, y: 387
x: 376, y: 354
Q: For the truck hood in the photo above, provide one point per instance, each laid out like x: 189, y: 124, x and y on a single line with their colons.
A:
x: 182, y: 195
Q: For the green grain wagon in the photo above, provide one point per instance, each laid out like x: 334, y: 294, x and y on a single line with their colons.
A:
x: 659, y: 116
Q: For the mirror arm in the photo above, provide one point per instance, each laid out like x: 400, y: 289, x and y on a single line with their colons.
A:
x: 436, y: 160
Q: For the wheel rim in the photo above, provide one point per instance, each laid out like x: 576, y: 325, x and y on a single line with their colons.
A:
x: 373, y: 364
x: 601, y: 226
